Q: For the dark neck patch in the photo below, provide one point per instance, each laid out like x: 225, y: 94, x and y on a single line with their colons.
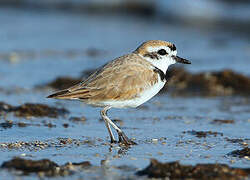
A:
x: 161, y: 73
x: 152, y: 55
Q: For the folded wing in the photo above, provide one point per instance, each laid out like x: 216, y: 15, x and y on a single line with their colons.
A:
x: 121, y: 79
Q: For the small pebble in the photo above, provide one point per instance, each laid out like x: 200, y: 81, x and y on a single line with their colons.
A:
x: 155, y: 140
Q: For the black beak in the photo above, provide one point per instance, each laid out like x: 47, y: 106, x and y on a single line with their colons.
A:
x: 181, y: 60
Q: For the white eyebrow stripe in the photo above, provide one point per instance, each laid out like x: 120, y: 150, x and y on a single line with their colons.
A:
x: 156, y: 48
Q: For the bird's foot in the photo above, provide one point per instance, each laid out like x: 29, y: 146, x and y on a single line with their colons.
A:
x: 123, y: 139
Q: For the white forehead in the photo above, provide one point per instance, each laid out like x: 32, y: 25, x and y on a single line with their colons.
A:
x: 157, y: 48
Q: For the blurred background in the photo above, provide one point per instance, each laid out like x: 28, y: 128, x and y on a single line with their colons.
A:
x: 42, y: 37
x: 213, y: 34
x: 46, y: 45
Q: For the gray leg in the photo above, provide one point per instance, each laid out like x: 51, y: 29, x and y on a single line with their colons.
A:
x: 104, y: 117
x: 122, y: 137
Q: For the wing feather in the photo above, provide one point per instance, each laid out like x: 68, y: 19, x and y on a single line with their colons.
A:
x: 121, y: 79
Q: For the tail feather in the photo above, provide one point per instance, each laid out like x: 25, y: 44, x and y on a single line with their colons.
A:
x: 67, y: 94
x: 58, y: 94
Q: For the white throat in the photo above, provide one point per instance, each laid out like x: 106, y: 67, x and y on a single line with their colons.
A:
x: 162, y: 63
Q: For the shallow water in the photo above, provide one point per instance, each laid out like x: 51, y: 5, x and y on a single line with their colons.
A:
x: 37, y: 47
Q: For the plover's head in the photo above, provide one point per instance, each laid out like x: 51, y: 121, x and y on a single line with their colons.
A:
x: 160, y: 53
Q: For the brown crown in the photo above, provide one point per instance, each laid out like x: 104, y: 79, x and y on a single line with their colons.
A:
x: 142, y: 49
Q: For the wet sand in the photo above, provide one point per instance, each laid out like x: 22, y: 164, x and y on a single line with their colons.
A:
x: 196, y: 126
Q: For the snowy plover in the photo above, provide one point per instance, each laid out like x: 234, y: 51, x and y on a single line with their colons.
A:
x: 127, y: 81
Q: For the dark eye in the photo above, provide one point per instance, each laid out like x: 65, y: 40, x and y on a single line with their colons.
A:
x: 162, y: 52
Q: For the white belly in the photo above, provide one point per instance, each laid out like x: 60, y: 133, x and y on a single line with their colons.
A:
x: 143, y: 97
